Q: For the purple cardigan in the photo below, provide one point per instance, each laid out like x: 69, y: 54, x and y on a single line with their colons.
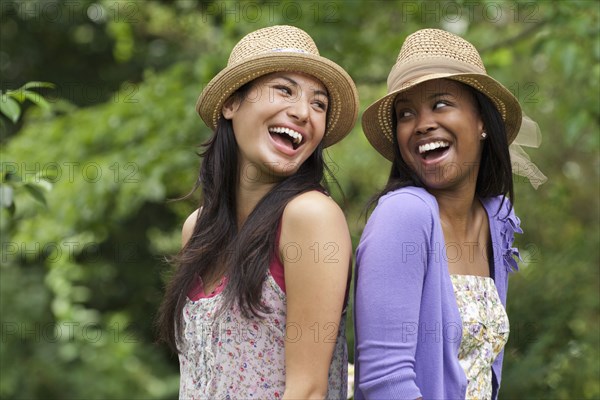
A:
x: 407, y: 324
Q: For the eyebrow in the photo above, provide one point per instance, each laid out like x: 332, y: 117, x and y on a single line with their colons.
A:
x: 315, y: 91
x: 430, y: 97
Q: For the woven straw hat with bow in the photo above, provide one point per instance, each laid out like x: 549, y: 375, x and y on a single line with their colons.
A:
x: 435, y: 54
x: 430, y: 54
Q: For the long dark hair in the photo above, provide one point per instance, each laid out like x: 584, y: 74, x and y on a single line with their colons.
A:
x: 218, y: 246
x: 495, y: 170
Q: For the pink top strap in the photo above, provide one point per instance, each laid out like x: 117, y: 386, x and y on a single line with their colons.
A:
x: 276, y: 266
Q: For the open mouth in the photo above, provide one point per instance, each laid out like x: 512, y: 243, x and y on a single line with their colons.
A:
x: 286, y: 136
x: 433, y: 150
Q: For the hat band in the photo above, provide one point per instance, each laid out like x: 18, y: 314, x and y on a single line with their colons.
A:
x: 415, y: 71
x: 237, y: 59
x: 288, y: 50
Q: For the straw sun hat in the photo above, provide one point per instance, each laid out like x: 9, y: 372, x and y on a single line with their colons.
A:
x: 282, y: 48
x: 434, y: 54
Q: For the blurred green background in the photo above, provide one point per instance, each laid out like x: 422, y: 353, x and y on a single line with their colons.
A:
x: 86, y: 220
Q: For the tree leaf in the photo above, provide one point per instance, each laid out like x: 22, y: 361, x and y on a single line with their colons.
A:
x: 37, y: 99
x: 43, y: 183
x: 18, y: 95
x: 10, y: 176
x: 36, y: 192
x: 6, y: 196
x: 10, y: 108
x: 12, y: 208
x: 37, y: 84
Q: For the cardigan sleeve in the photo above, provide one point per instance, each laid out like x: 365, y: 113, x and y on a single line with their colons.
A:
x: 391, y: 265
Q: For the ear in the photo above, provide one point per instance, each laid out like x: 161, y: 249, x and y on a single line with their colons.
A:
x: 230, y: 106
x: 480, y: 125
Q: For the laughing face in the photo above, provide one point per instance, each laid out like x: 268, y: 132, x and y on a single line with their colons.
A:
x: 278, y: 124
x: 439, y: 133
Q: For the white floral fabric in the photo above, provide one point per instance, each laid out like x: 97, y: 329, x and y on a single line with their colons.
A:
x: 227, y: 356
x: 485, y: 331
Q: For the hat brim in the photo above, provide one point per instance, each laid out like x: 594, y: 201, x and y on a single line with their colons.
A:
x: 343, y: 96
x: 377, y: 121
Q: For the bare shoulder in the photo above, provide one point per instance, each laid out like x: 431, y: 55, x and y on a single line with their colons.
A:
x: 188, y: 227
x: 314, y: 216
x: 313, y: 209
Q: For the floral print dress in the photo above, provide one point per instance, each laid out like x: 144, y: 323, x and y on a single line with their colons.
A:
x: 485, y: 331
x: 227, y: 356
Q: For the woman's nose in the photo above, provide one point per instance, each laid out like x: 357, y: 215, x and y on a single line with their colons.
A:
x: 425, y: 122
x: 299, y: 108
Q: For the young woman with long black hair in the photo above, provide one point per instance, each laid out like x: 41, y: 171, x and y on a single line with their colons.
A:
x: 256, y: 306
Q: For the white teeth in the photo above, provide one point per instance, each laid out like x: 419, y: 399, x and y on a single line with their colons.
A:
x: 432, y: 146
x: 296, y: 137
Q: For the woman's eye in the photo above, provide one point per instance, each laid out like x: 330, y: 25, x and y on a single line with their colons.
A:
x: 403, y: 114
x: 440, y: 104
x: 284, y: 89
x: 321, y: 105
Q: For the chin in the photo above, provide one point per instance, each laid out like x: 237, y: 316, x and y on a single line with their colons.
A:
x: 433, y: 185
x: 435, y: 182
x: 285, y: 173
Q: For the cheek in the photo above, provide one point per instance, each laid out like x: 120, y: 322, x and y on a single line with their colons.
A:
x: 238, y: 131
x: 320, y: 136
x: 403, y: 142
x: 320, y: 126
x: 318, y: 133
x: 244, y: 138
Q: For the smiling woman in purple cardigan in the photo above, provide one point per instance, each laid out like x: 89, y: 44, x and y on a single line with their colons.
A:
x: 433, y: 260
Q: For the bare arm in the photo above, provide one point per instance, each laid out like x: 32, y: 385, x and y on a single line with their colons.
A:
x: 188, y: 227
x: 316, y: 253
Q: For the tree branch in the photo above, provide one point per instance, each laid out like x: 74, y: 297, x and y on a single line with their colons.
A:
x: 510, y: 41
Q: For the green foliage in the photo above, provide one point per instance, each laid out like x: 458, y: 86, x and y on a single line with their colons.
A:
x: 82, y: 274
x: 112, y: 179
x: 11, y: 102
